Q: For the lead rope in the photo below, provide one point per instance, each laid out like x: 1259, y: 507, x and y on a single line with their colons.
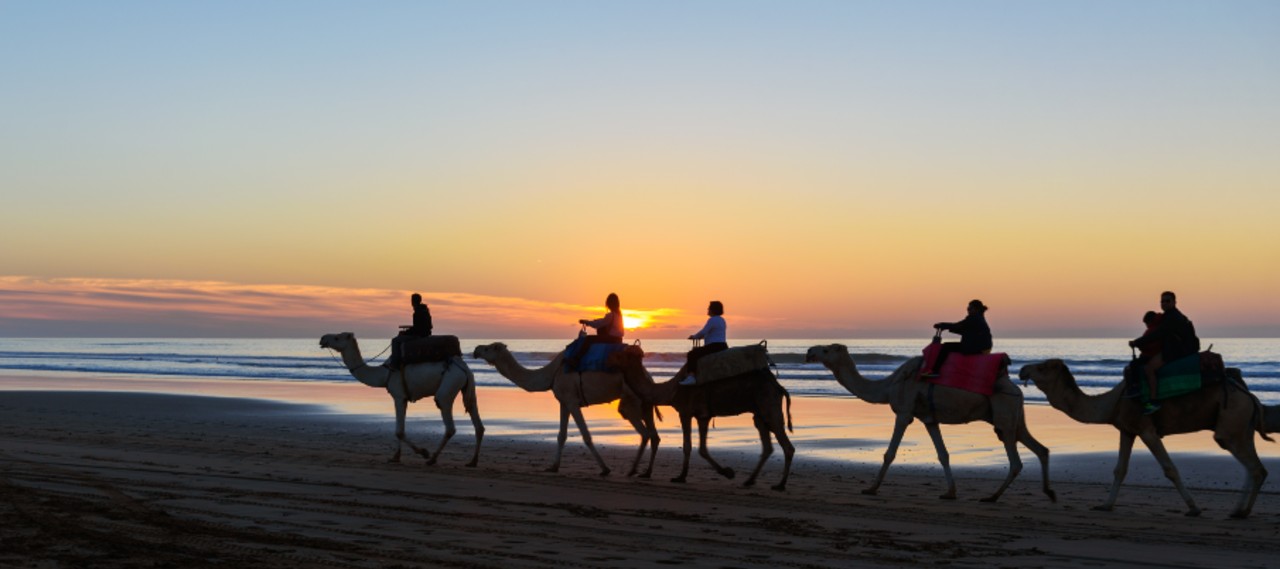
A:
x: 344, y: 365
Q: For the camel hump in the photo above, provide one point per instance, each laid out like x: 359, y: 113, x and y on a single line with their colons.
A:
x: 430, y: 349
x: 731, y: 362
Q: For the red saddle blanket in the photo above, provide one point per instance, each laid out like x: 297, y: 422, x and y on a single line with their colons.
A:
x: 976, y: 373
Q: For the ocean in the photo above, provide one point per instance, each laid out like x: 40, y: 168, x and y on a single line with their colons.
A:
x: 1096, y: 362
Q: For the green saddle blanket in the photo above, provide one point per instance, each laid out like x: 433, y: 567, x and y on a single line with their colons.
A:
x: 1179, y: 377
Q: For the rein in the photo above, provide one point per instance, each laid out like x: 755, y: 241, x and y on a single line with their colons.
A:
x: 330, y: 351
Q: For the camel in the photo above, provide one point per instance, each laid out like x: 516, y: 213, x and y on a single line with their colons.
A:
x: 911, y: 399
x: 1229, y: 410
x: 758, y: 393
x: 440, y: 380
x: 574, y: 391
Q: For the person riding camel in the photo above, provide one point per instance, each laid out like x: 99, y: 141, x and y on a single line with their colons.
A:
x: 421, y: 329
x: 1177, y: 337
x: 1147, y: 349
x: 713, y: 333
x: 609, y: 329
x: 975, y: 336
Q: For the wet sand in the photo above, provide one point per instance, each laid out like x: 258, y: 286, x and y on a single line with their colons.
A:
x: 114, y: 472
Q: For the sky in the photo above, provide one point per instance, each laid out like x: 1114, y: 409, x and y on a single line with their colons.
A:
x: 833, y: 169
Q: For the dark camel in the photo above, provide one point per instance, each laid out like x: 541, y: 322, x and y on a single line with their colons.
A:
x: 758, y: 393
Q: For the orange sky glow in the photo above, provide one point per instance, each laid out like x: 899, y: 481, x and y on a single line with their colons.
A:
x: 824, y: 169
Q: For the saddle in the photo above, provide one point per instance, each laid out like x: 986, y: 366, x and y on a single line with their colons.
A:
x: 731, y: 362
x: 1184, y: 375
x: 430, y: 349
x: 977, y: 372
x: 592, y: 360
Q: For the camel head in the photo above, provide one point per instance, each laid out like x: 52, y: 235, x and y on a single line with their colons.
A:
x: 625, y: 358
x: 340, y: 341
x: 828, y: 355
x: 1045, y: 374
x: 491, y: 352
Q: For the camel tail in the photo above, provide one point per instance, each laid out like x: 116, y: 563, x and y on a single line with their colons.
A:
x: 1260, y: 422
x: 1265, y: 420
x: 468, y: 389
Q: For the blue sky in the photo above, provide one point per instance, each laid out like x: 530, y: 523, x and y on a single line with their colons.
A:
x: 556, y: 151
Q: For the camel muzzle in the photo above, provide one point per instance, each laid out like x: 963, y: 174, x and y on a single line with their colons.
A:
x: 1024, y: 374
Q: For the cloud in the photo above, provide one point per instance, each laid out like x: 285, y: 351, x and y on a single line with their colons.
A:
x: 31, y: 306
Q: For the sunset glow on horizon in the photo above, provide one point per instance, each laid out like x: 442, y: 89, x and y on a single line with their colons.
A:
x: 826, y: 169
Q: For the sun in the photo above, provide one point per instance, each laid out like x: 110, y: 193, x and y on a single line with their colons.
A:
x: 633, y: 322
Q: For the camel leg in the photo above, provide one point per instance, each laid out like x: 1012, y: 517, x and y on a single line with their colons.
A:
x: 651, y: 431
x: 1015, y: 463
x: 944, y: 458
x: 643, y: 430
x: 899, y: 427
x: 704, y: 453
x: 561, y: 438
x: 470, y: 405
x: 1156, y: 446
x: 446, y: 415
x: 686, y: 427
x: 402, y: 407
x: 586, y: 439
x: 766, y: 450
x: 1255, y: 474
x: 788, y: 452
x: 1042, y: 453
x: 1121, y: 470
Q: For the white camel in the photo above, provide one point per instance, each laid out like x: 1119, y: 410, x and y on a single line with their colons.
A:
x: 577, y: 390
x: 911, y: 399
x: 443, y: 381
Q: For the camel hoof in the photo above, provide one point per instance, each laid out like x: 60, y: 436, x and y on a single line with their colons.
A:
x: 988, y: 499
x: 728, y: 473
x: 869, y: 492
x: 677, y: 480
x: 394, y: 460
x: 779, y: 487
x: 431, y: 461
x: 646, y: 475
x: 552, y: 469
x: 605, y: 472
x: 631, y: 474
x: 1193, y: 513
x: 1240, y: 515
x: 1102, y: 508
x: 749, y: 483
x: 948, y: 496
x: 1053, y: 496
x: 425, y: 454
x: 471, y: 464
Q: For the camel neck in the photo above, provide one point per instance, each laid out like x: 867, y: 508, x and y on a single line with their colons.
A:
x: 371, y: 376
x: 1066, y: 396
x: 540, y: 379
x: 846, y: 373
x: 639, y: 380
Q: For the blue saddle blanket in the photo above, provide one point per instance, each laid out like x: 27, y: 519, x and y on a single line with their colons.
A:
x: 593, y: 360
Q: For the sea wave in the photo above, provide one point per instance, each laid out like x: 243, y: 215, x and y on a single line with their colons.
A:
x: 1094, y: 363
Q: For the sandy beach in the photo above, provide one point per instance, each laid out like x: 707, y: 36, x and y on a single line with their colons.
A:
x: 291, y: 474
